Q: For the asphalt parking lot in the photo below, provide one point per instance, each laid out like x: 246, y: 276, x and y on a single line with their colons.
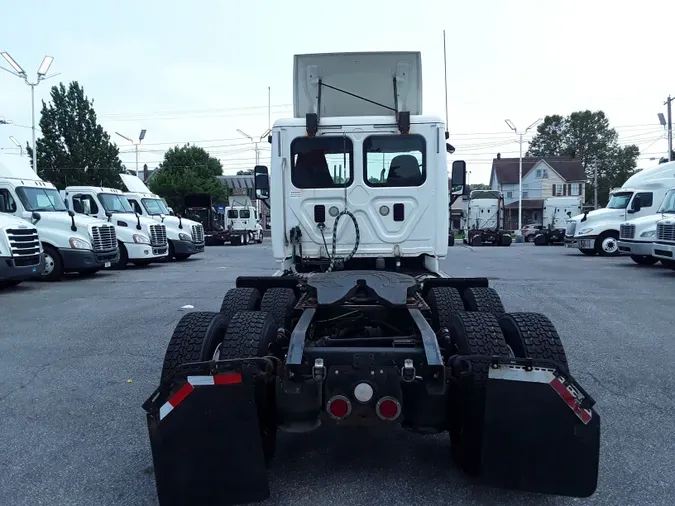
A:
x: 78, y: 358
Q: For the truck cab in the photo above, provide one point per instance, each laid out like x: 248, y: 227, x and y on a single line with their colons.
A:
x: 556, y: 212
x: 485, y: 219
x: 598, y: 232
x: 21, y: 254
x: 663, y: 246
x: 71, y: 243
x: 141, y: 240
x: 185, y: 237
x: 242, y: 221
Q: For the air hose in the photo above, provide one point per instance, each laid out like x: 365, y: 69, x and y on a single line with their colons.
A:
x: 295, y: 239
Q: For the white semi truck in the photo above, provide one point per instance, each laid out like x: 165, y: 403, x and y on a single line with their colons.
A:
x: 71, y: 243
x: 361, y: 326
x: 555, y: 213
x: 485, y: 219
x: 241, y: 220
x: 21, y: 255
x: 185, y: 237
x: 141, y: 240
x: 663, y: 247
x: 597, y: 232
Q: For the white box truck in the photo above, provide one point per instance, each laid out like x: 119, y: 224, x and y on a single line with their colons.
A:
x: 71, y: 243
x: 597, y: 232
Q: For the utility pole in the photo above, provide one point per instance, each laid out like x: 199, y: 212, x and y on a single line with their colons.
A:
x: 670, y: 129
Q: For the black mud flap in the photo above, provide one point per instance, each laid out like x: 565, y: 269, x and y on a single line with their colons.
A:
x: 540, y: 434
x: 206, y: 444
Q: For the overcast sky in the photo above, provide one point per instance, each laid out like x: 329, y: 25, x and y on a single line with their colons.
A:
x: 198, y: 71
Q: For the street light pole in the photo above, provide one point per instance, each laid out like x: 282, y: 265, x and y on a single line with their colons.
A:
x: 520, y: 171
x: 41, y: 76
x: 255, y: 143
x: 141, y: 136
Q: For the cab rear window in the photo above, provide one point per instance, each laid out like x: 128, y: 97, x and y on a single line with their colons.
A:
x: 394, y: 160
x: 322, y: 162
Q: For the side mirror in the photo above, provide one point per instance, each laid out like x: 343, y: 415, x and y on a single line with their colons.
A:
x: 261, y: 181
x: 449, y: 147
x: 35, y: 217
x: 636, y: 205
x: 458, y: 180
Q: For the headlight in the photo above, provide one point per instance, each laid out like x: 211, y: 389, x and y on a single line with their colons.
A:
x: 77, y: 243
x: 140, y: 239
x: 585, y: 231
x: 648, y: 233
x: 184, y: 237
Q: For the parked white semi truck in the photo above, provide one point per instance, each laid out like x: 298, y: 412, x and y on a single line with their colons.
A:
x: 241, y: 220
x: 141, y: 240
x: 555, y: 213
x: 71, y: 242
x: 636, y: 236
x: 185, y: 237
x: 485, y: 219
x: 663, y: 246
x: 597, y: 232
x: 21, y: 255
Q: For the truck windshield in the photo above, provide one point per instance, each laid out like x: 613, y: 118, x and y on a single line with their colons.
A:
x: 394, y: 160
x: 232, y: 213
x: 668, y: 204
x: 154, y: 206
x: 115, y: 203
x: 619, y: 200
x: 40, y: 199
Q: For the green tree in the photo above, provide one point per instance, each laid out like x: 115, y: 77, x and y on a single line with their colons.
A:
x: 186, y: 170
x: 478, y: 186
x: 74, y: 148
x: 587, y: 135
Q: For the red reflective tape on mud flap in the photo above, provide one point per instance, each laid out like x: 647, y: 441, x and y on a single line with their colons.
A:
x: 192, y: 381
x: 584, y: 415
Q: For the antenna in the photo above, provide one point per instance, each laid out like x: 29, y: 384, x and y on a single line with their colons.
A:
x: 445, y: 68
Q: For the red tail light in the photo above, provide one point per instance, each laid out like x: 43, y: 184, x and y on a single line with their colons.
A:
x: 339, y: 407
x: 388, y: 408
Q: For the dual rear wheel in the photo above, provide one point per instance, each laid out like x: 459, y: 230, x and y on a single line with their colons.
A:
x: 479, y: 325
x: 246, y: 326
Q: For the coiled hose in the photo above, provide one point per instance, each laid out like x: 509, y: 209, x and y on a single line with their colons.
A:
x: 295, y: 236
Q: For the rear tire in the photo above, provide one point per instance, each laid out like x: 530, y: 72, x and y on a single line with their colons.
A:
x: 123, y: 259
x: 540, y: 240
x: 451, y: 240
x: 506, y: 240
x: 279, y: 302
x: 533, y: 335
x: 483, y: 300
x: 472, y: 333
x: 195, y: 339
x: 444, y: 303
x: 644, y: 259
x: 476, y: 240
x: 239, y: 299
x: 249, y: 334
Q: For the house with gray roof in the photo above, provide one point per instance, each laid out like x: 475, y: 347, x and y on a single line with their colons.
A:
x: 543, y: 177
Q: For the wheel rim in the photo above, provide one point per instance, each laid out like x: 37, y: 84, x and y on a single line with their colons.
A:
x: 609, y: 245
x: 216, y: 352
x: 49, y: 265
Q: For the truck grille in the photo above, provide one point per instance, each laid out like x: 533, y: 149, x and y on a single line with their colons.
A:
x: 197, y: 233
x: 665, y: 232
x: 103, y: 237
x: 157, y: 235
x: 571, y: 228
x: 24, y: 243
x: 627, y: 231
